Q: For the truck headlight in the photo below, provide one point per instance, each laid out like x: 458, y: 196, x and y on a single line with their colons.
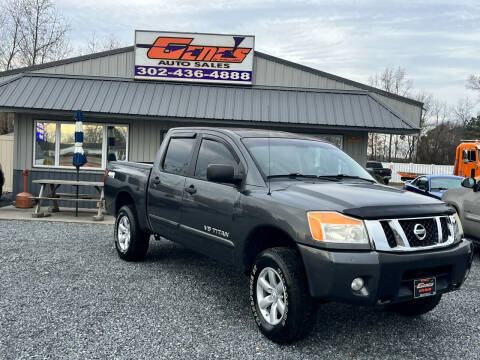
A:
x: 457, y: 227
x: 336, y: 228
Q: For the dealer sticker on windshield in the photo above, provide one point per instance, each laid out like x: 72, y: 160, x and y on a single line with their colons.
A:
x: 424, y: 287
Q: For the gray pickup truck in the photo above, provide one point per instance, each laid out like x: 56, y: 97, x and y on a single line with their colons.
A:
x: 466, y: 202
x: 305, y: 221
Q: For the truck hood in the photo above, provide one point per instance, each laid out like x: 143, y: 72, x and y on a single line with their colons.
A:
x: 363, y: 200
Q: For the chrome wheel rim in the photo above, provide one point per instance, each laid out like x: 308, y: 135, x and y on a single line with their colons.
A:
x: 271, y: 296
x: 123, y: 233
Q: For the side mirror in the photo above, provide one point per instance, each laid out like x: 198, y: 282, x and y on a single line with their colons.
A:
x: 222, y: 174
x: 468, y: 183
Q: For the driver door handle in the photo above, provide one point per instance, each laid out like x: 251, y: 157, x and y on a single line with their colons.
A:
x: 191, y: 189
x: 156, y: 180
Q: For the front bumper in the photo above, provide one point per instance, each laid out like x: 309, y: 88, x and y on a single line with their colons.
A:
x: 388, y: 277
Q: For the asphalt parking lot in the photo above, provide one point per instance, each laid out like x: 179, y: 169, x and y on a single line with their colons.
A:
x: 65, y: 294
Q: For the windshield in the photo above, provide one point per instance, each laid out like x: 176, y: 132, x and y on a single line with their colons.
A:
x: 445, y: 183
x: 302, y: 157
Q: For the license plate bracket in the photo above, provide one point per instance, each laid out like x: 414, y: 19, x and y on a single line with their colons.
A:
x: 424, y: 287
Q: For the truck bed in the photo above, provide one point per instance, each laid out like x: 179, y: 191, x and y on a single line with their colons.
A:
x: 130, y: 169
x: 129, y: 177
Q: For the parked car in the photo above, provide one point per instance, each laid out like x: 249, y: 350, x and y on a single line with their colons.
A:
x: 299, y: 216
x: 377, y: 168
x: 434, y: 185
x: 466, y: 201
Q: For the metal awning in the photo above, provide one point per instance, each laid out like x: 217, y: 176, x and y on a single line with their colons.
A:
x: 242, y: 105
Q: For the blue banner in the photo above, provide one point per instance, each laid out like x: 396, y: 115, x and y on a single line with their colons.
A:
x: 40, y: 132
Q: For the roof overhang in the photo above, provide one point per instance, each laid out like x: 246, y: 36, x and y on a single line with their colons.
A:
x: 293, y: 108
x: 39, y: 67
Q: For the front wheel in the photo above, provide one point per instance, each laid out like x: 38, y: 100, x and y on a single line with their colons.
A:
x: 416, y: 307
x: 130, y: 241
x: 279, y: 296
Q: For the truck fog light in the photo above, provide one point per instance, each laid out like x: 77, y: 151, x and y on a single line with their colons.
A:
x: 357, y: 284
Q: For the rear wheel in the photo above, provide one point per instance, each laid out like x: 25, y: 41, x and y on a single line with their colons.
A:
x: 279, y: 296
x: 131, y: 243
x: 416, y: 307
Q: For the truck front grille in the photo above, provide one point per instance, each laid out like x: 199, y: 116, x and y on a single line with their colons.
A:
x: 412, y: 234
x: 430, y: 227
x: 445, y: 228
x: 389, y: 234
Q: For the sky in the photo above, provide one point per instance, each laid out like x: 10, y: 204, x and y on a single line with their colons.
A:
x: 437, y: 42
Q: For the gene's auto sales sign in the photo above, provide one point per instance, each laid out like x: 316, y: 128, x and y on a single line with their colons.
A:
x: 194, y: 57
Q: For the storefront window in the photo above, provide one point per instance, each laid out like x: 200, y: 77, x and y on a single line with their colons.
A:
x: 101, y: 144
x: 67, y: 144
x: 117, y: 143
x: 45, y: 135
x: 92, y: 144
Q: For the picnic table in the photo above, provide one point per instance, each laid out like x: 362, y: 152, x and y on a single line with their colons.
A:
x: 52, y: 186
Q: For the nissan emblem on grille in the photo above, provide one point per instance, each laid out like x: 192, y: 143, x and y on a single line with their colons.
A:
x: 420, y: 231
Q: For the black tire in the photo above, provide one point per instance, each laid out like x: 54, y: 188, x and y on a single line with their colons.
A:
x: 386, y: 182
x: 416, y: 307
x: 476, y: 248
x: 300, y: 309
x: 138, y: 242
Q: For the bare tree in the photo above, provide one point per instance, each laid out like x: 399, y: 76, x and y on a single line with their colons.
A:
x: 10, y: 24
x: 6, y: 123
x: 440, y: 113
x: 473, y: 82
x: 95, y: 44
x: 463, y: 111
x: 31, y: 32
x: 412, y: 141
x: 394, y: 81
x: 111, y: 42
x: 426, y: 99
x: 43, y: 33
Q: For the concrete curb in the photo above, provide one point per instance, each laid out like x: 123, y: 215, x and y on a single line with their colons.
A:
x: 85, y: 216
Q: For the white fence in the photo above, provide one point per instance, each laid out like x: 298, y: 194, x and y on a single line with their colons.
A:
x: 6, y: 159
x: 417, y: 168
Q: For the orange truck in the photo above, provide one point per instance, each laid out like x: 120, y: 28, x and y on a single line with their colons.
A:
x: 467, y: 161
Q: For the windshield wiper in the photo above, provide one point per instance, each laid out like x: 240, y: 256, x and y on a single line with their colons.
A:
x: 337, y: 177
x: 298, y: 175
x: 344, y: 176
x: 292, y: 176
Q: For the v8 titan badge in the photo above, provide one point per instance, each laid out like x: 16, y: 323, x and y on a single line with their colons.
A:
x: 424, y: 287
x: 194, y: 57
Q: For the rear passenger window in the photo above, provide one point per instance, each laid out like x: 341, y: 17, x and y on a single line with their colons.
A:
x: 178, y: 155
x: 212, y: 152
